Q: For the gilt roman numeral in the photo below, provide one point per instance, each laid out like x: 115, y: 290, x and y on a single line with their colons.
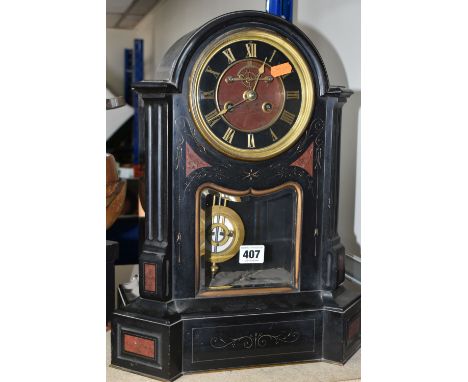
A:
x: 272, y: 55
x: 208, y: 95
x: 292, y: 94
x: 250, y: 141
x: 273, y: 135
x: 230, y: 56
x: 287, y: 117
x: 212, y: 117
x: 213, y: 72
x: 229, y: 135
x: 251, y: 49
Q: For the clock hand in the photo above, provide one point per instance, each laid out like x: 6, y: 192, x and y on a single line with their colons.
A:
x: 223, y: 111
x: 226, y: 108
x: 261, y: 70
x: 236, y: 104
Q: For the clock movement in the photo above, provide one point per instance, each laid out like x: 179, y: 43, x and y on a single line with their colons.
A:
x: 241, y: 264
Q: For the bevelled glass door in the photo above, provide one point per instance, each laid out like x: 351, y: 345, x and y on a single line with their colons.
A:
x: 248, y: 241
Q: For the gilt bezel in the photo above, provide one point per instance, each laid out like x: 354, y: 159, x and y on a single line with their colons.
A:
x: 307, y: 93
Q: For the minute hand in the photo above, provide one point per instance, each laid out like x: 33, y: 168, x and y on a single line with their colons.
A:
x: 261, y: 70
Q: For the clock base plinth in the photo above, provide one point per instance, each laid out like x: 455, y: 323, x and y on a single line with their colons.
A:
x: 166, y: 340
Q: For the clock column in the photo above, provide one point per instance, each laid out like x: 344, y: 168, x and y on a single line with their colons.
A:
x: 333, y: 260
x: 154, y: 263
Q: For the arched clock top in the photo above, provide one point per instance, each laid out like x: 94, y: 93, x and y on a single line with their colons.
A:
x: 171, y: 73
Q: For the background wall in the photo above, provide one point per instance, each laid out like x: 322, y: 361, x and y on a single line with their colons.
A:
x: 333, y: 27
x: 119, y: 39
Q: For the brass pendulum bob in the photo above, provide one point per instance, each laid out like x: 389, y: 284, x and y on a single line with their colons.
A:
x: 226, y: 233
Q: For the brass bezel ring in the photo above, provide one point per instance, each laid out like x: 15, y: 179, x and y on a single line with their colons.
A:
x: 307, y: 93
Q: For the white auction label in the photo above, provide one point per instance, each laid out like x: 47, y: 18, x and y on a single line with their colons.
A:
x: 251, y: 254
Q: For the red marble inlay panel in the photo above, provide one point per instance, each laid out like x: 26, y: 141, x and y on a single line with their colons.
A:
x: 306, y: 160
x: 193, y: 161
x: 354, y: 328
x: 138, y: 345
x: 150, y: 277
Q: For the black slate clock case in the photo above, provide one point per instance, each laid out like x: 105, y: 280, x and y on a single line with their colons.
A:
x: 171, y: 330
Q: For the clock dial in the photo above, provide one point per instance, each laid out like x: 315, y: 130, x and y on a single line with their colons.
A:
x: 251, y: 94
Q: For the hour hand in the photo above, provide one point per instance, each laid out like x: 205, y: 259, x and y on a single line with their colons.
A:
x: 227, y: 107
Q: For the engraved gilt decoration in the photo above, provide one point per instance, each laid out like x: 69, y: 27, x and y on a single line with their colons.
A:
x: 255, y: 340
x: 251, y: 174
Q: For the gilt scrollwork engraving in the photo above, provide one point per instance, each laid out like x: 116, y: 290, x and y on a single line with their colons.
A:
x: 215, y: 173
x: 318, y: 153
x: 317, y: 129
x: 289, y: 172
x: 318, y: 143
x: 318, y: 124
x: 255, y: 340
x: 179, y: 152
x: 183, y: 122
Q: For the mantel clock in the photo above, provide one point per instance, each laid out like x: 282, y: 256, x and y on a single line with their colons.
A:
x: 241, y: 264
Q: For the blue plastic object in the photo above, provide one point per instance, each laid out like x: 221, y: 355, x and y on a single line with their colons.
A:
x: 128, y: 76
x: 282, y: 8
